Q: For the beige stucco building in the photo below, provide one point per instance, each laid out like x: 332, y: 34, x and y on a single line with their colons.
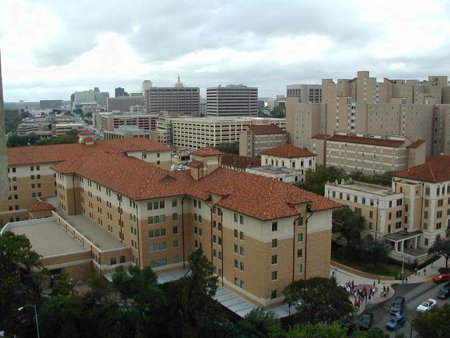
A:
x: 260, y: 234
x: 415, y: 110
x: 257, y: 138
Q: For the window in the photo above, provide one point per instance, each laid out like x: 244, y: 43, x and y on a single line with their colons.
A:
x: 241, y: 251
x: 440, y: 202
x: 161, y: 204
x: 236, y: 248
x: 299, y: 268
x: 112, y: 261
x: 274, y: 259
x: 175, y: 230
x: 174, y: 216
x: 241, y: 235
x: 174, y: 203
x: 274, y: 226
x: 426, y: 203
x: 398, y: 213
x: 300, y: 221
x: 241, y: 266
x: 241, y: 219
x: 175, y: 243
x: 157, y: 246
x: 235, y: 233
x: 274, y: 243
x: 300, y: 237
x: 158, y: 262
x: 122, y: 259
x: 236, y: 263
x: 299, y: 253
x: 199, y: 218
x: 439, y: 214
x: 427, y: 191
x: 274, y: 275
x: 438, y: 225
x: 156, y: 233
x: 273, y: 294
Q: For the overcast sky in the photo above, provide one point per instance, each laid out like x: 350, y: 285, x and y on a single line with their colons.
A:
x: 51, y: 48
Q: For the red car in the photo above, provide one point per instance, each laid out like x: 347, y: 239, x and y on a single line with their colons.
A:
x: 443, y: 277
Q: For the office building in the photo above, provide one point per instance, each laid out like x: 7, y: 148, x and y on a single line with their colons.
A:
x: 124, y: 104
x: 119, y: 91
x: 177, y: 101
x: 112, y: 120
x: 125, y: 132
x: 232, y: 100
x: 305, y: 93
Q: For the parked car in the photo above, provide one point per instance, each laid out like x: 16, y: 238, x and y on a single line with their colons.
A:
x: 426, y: 305
x: 443, y: 277
x: 396, y: 322
x: 365, y: 321
x: 397, y: 306
x: 444, y: 291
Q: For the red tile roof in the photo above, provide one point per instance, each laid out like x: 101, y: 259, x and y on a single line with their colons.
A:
x: 232, y: 160
x: 85, y: 132
x: 40, y: 206
x: 208, y: 151
x: 267, y: 129
x: 367, y: 140
x: 60, y: 152
x: 256, y: 196
x: 288, y: 151
x: 416, y: 144
x: 435, y: 169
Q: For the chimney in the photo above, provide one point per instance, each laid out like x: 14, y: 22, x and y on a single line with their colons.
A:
x: 4, y: 185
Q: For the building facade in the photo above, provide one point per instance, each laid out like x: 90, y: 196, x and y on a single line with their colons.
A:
x: 232, y: 100
x: 124, y: 103
x: 257, y: 138
x: 305, y: 93
x: 177, y: 101
x: 411, y: 109
x: 113, y: 120
x: 160, y: 217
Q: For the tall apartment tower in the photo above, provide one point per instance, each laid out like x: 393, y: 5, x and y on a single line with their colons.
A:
x: 408, y: 108
x: 178, y: 100
x: 306, y: 93
x: 232, y: 100
x: 4, y: 191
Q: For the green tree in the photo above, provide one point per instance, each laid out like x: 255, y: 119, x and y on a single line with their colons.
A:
x: 232, y: 148
x: 348, y: 225
x: 279, y: 111
x: 260, y: 323
x: 19, y: 283
x: 376, y: 252
x: 318, y: 300
x: 435, y: 323
x: 139, y: 289
x: 309, y: 330
x: 441, y: 248
x: 63, y: 286
x: 315, y: 180
x: 375, y: 334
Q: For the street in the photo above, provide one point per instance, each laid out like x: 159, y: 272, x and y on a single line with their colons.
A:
x: 414, y: 295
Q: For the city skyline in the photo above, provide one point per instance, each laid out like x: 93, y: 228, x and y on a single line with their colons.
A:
x: 52, y: 49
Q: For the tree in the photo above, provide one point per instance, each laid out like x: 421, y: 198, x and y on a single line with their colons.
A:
x: 376, y: 251
x: 318, y: 300
x: 232, y: 148
x: 309, y: 330
x: 63, y: 286
x: 441, y: 248
x: 434, y: 323
x: 19, y: 283
x: 315, y: 180
x: 375, y: 334
x: 260, y: 323
x: 348, y: 225
x: 139, y: 289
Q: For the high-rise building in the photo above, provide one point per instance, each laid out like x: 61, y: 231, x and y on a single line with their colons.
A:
x: 232, y: 100
x: 119, y: 91
x: 405, y: 108
x: 306, y: 93
x: 178, y: 100
x: 3, y: 158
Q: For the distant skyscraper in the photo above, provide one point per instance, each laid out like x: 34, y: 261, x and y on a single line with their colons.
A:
x: 177, y: 100
x: 232, y: 100
x: 119, y: 91
x: 4, y: 191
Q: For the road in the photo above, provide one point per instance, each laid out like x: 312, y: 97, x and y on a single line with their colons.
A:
x: 414, y: 295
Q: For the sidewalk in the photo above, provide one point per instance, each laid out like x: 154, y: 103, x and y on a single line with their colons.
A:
x: 344, y: 276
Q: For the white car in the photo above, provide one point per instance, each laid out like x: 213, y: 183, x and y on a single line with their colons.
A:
x: 426, y: 305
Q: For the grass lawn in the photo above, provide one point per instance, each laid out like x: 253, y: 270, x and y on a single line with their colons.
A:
x: 383, y: 268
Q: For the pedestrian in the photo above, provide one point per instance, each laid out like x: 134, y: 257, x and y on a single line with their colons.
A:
x: 424, y: 272
x: 374, y: 283
x: 406, y: 280
x: 370, y: 298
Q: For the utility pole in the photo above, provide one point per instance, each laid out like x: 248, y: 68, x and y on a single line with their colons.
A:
x: 4, y: 185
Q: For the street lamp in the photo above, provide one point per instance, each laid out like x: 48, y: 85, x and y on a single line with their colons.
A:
x: 35, y: 316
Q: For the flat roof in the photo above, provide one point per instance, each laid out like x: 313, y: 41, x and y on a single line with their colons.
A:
x: 98, y: 236
x: 366, y: 187
x: 47, y: 237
